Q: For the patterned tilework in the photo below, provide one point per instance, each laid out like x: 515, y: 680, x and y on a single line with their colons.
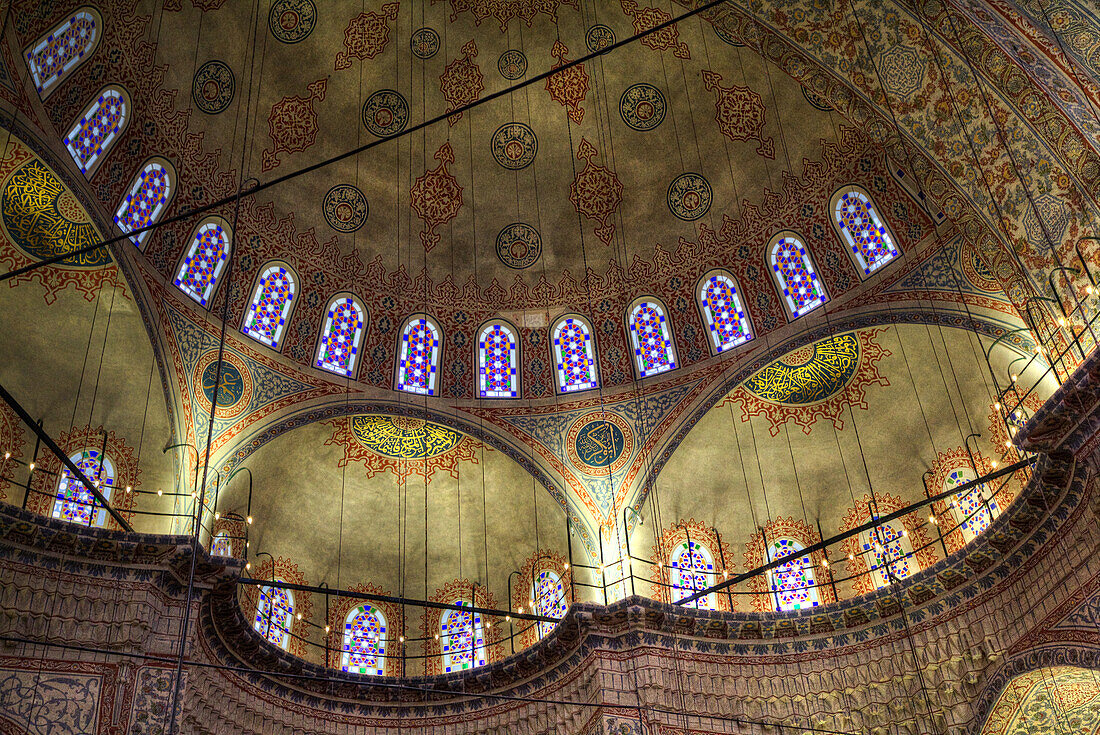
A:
x: 864, y: 231
x: 221, y: 546
x: 273, y: 613
x: 652, y: 339
x: 792, y: 583
x: 725, y: 317
x: 73, y: 502
x: 797, y: 279
x: 692, y: 570
x: 575, y: 356
x: 973, y: 512
x: 462, y: 636
x: 496, y: 354
x: 890, y: 552
x: 418, y: 361
x: 364, y: 649
x: 199, y: 271
x: 94, y: 133
x: 61, y: 50
x: 548, y: 598
x: 146, y: 201
x: 270, y: 306
x: 341, y: 336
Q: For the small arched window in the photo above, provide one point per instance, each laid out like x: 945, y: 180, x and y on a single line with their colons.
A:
x: 98, y: 128
x: 418, y: 356
x: 273, y: 615
x: 63, y: 49
x: 462, y: 637
x: 74, y: 502
x: 574, y: 353
x: 865, y: 234
x: 651, y: 337
x: 795, y: 275
x: 221, y: 546
x: 364, y: 650
x: 548, y: 598
x: 341, y: 335
x: 202, y: 265
x: 272, y: 300
x: 889, y: 552
x: 148, y: 197
x: 691, y: 570
x: 720, y: 303
x: 792, y: 583
x: 972, y: 510
x: 497, y: 356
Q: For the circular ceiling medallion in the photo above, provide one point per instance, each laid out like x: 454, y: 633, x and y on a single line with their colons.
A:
x: 519, y: 245
x: 727, y: 36
x: 345, y: 208
x: 234, y: 388
x: 599, y: 443
x: 385, y: 113
x: 212, y: 88
x: 424, y: 43
x: 512, y: 64
x: 642, y: 107
x: 689, y: 196
x: 598, y: 38
x: 816, y: 100
x: 403, y: 438
x: 292, y: 21
x: 514, y: 145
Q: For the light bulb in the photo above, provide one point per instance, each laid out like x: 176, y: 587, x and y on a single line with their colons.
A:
x: 932, y: 519
x: 436, y: 637
x: 567, y: 566
x: 520, y: 611
x: 851, y: 556
x: 217, y: 515
x: 249, y: 519
x: 32, y: 466
x: 7, y: 455
x: 997, y: 406
x: 299, y: 616
x: 402, y: 638
x: 1008, y: 443
x: 508, y: 618
x: 160, y: 492
x: 193, y: 495
x: 129, y: 489
x: 248, y: 566
x: 905, y: 532
x: 1061, y: 321
x: 1015, y: 377
x: 328, y: 629
x: 825, y: 563
x: 994, y: 463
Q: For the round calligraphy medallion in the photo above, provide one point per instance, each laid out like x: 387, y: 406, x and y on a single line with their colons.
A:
x: 234, y: 389
x: 424, y: 43
x: 385, y: 113
x: 401, y: 437
x: 598, y: 38
x: 689, y: 196
x: 599, y: 443
x: 512, y: 64
x: 292, y: 21
x: 642, y: 107
x: 519, y: 245
x: 514, y: 145
x: 345, y: 208
x: 212, y: 88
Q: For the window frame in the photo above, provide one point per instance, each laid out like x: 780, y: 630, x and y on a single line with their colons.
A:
x: 357, y: 341
x: 47, y: 87
x: 288, y: 306
x: 517, y: 368
x: 89, y: 169
x: 669, y: 335
x: 186, y: 254
x: 141, y: 238
x: 704, y: 308
x: 781, y: 288
x: 848, y: 241
x: 435, y: 360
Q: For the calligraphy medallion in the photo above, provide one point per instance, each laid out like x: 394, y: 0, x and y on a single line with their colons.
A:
x: 401, y: 437
x: 345, y: 208
x: 512, y: 64
x: 689, y: 196
x: 291, y: 21
x: 598, y: 38
x: 424, y: 43
x: 642, y: 107
x: 519, y: 245
x: 514, y: 145
x: 385, y: 113
x: 212, y: 88
x: 234, y: 389
x: 599, y: 443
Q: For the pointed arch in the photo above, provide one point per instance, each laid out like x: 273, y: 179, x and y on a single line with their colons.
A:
x: 462, y: 638
x: 889, y: 551
x: 651, y: 337
x: 800, y: 289
x: 866, y: 236
x: 719, y: 301
x: 274, y: 613
x: 691, y: 569
x: 99, y: 128
x: 497, y: 360
x: 902, y: 548
x: 418, y: 352
x: 272, y: 302
x: 148, y: 197
x: 341, y: 335
x: 972, y: 509
x: 792, y: 584
x: 203, y: 262
x: 573, y: 351
x: 691, y: 557
x: 73, y: 501
x: 64, y: 48
x: 364, y: 644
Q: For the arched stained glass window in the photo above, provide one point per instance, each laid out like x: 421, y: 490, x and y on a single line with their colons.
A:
x: 202, y: 266
x: 497, y: 357
x: 98, y: 128
x: 972, y: 509
x: 149, y: 195
x: 888, y: 552
x: 270, y: 308
x: 548, y: 598
x: 794, y: 273
x: 652, y: 338
x: 462, y: 638
x: 341, y: 335
x: 74, y: 502
x: 418, y: 356
x: 273, y: 615
x: 720, y: 303
x: 692, y: 570
x: 364, y: 650
x: 221, y: 546
x: 65, y: 47
x: 575, y: 355
x: 792, y: 583
x: 868, y: 238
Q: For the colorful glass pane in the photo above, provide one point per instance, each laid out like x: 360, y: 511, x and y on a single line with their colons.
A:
x: 864, y: 231
x: 364, y: 641
x: 462, y: 639
x: 419, y: 358
x: 496, y: 351
x: 886, y: 546
x: 574, y: 356
x: 725, y: 317
x: 273, y: 613
x: 974, y: 512
x: 652, y: 340
x: 792, y: 583
x: 199, y: 272
x: 61, y: 49
x: 221, y: 546
x: 146, y: 201
x: 802, y: 290
x: 548, y: 598
x: 692, y: 571
x: 74, y: 502
x: 97, y: 129
x: 270, y: 306
x: 340, y: 336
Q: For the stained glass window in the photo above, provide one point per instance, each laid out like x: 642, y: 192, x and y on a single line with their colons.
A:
x: 722, y: 310
x: 973, y: 511
x: 547, y: 598
x: 889, y: 553
x: 98, y: 128
x: 267, y: 315
x: 149, y: 196
x: 868, y: 239
x: 692, y: 569
x: 794, y: 272
x: 462, y: 637
x: 652, y: 339
x: 418, y: 360
x: 496, y: 354
x: 62, y: 49
x: 221, y: 546
x: 341, y: 336
x: 202, y: 266
x: 792, y: 583
x: 364, y: 650
x: 575, y: 355
x: 273, y: 615
x: 74, y: 502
